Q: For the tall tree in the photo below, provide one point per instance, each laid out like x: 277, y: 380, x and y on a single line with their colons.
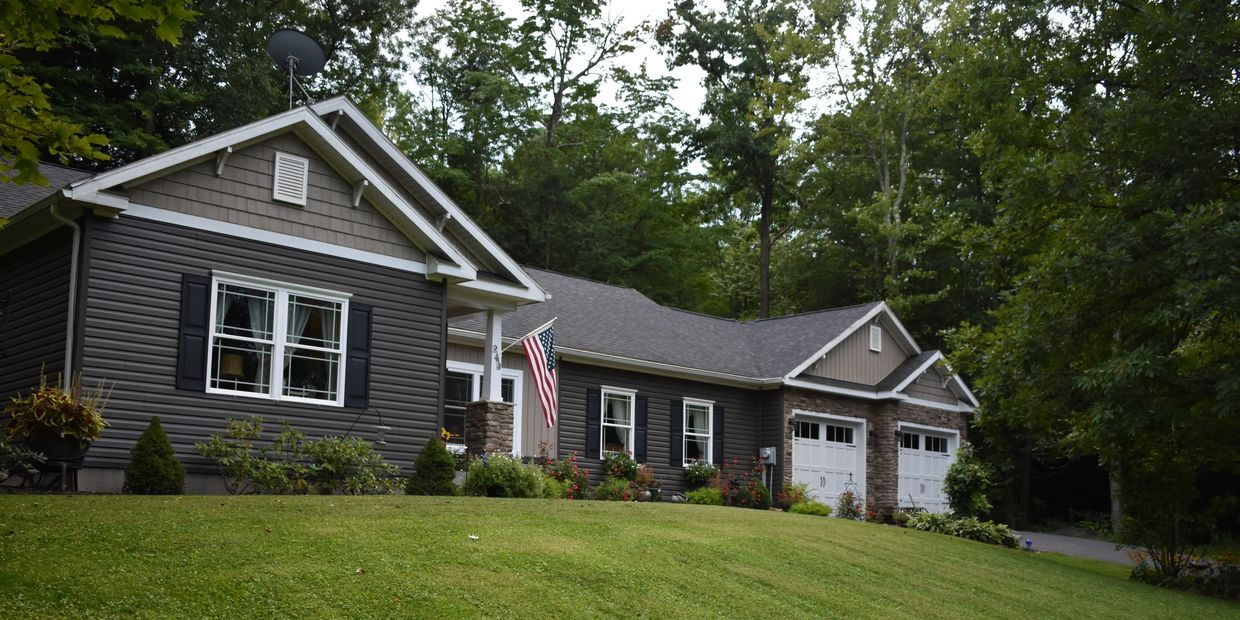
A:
x: 33, y: 122
x: 756, y: 56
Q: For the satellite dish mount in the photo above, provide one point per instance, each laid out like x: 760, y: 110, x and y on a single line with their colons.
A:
x: 295, y: 53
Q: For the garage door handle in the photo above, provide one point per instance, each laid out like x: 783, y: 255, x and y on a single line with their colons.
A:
x: 822, y: 482
x: 923, y: 488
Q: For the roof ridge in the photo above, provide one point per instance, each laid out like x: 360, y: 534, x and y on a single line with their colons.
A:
x: 702, y: 314
x: 576, y: 277
x: 819, y: 311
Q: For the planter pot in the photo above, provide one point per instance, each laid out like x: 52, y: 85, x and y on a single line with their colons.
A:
x: 69, y: 451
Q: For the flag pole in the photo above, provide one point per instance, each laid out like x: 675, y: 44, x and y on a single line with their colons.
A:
x: 535, y: 331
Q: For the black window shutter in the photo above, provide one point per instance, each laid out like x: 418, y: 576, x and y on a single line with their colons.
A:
x: 192, y: 345
x: 678, y: 434
x: 594, y: 422
x: 639, y: 430
x: 718, y: 435
x: 357, y: 357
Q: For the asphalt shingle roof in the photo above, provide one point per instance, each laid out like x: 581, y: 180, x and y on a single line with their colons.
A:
x: 902, y: 371
x: 620, y: 321
x: 14, y: 197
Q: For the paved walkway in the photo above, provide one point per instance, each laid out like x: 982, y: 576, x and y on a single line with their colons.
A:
x: 1077, y: 547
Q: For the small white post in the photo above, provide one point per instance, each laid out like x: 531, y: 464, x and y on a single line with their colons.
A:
x: 491, y: 366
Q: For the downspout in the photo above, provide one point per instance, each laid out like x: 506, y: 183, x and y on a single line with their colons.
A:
x: 67, y: 377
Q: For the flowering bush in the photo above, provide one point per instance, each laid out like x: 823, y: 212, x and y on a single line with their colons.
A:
x: 567, y: 472
x: 620, y: 465
x: 849, y: 506
x: 744, y: 488
x: 615, y: 490
x: 700, y: 473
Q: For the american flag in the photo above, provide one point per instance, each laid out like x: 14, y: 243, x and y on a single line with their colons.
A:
x: 540, y: 351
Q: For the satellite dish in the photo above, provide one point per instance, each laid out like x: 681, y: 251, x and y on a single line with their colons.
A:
x: 298, y: 55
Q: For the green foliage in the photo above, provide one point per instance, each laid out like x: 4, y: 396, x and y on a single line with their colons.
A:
x: 576, y: 480
x: 499, y: 475
x: 966, y: 483
x: 744, y: 488
x: 433, y: 471
x: 293, y: 464
x: 615, y: 489
x: 620, y: 465
x: 554, y: 489
x: 16, y: 460
x: 709, y: 496
x: 793, y: 493
x: 153, y: 466
x: 700, y: 473
x: 849, y: 506
x: 31, y: 126
x: 964, y: 527
x: 51, y: 411
x: 810, y: 507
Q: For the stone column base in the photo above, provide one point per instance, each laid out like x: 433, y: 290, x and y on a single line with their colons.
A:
x: 488, y: 427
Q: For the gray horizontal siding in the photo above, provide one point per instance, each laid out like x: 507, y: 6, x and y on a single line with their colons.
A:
x: 929, y: 386
x: 773, y: 432
x: 132, y: 326
x: 740, y: 412
x: 34, y: 300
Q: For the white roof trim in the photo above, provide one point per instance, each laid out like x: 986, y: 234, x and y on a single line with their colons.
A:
x: 155, y: 165
x: 858, y: 324
x: 965, y: 391
x: 937, y: 405
x: 938, y: 355
x: 831, y: 389
x: 343, y: 104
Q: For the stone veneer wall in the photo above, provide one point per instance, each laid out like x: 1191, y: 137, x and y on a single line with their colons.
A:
x: 488, y: 427
x: 882, y: 418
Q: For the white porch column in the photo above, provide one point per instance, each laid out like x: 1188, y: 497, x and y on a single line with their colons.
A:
x: 491, y: 366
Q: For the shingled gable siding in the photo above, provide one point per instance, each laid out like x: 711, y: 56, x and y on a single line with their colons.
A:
x: 882, y: 451
x: 131, y: 333
x: 34, y: 291
x: 929, y: 386
x: 243, y: 196
x: 852, y: 360
x: 740, y: 410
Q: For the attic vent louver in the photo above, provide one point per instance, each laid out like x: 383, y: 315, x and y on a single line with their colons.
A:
x: 291, y: 176
x: 876, y: 338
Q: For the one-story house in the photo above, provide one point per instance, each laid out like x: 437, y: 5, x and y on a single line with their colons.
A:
x: 302, y: 268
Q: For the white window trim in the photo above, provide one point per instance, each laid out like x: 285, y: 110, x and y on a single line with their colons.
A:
x: 604, y: 391
x: 953, y: 436
x: 876, y: 338
x: 859, y: 438
x: 476, y: 393
x: 710, y: 426
x: 279, y: 333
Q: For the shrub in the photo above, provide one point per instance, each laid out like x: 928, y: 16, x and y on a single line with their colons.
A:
x: 810, y: 507
x: 50, y: 411
x: 434, y: 471
x: 709, y: 496
x: 700, y: 473
x: 615, y: 489
x: 620, y: 465
x: 503, y: 476
x: 17, y: 460
x: 900, y: 518
x: 964, y: 527
x: 744, y: 489
x: 153, y: 467
x: 848, y: 506
x: 554, y: 489
x: 794, y: 493
x: 350, y: 465
x: 575, y: 479
x: 966, y: 483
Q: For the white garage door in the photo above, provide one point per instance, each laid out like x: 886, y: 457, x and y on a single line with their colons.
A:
x: 824, y: 454
x: 924, y: 459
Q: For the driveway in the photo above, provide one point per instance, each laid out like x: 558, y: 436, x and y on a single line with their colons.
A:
x: 1077, y: 547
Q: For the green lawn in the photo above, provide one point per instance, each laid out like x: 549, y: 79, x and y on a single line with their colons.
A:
x: 195, y: 557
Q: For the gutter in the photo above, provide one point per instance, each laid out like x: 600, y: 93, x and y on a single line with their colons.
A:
x: 67, y: 375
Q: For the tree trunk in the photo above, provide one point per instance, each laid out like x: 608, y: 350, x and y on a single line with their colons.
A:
x: 1117, y: 505
x: 764, y: 253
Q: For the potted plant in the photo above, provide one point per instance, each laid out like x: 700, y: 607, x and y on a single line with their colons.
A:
x: 60, y: 423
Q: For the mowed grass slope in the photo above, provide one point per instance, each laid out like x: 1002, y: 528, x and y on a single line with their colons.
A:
x: 312, y: 557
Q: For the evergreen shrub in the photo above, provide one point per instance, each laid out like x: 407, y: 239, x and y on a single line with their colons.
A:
x: 434, y: 471
x: 153, y: 466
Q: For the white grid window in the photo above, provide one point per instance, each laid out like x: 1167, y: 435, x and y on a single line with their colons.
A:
x: 275, y: 341
x: 698, y: 420
x: 617, y: 423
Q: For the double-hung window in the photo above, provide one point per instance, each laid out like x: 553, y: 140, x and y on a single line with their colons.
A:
x: 698, y: 420
x: 617, y: 423
x: 279, y: 341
